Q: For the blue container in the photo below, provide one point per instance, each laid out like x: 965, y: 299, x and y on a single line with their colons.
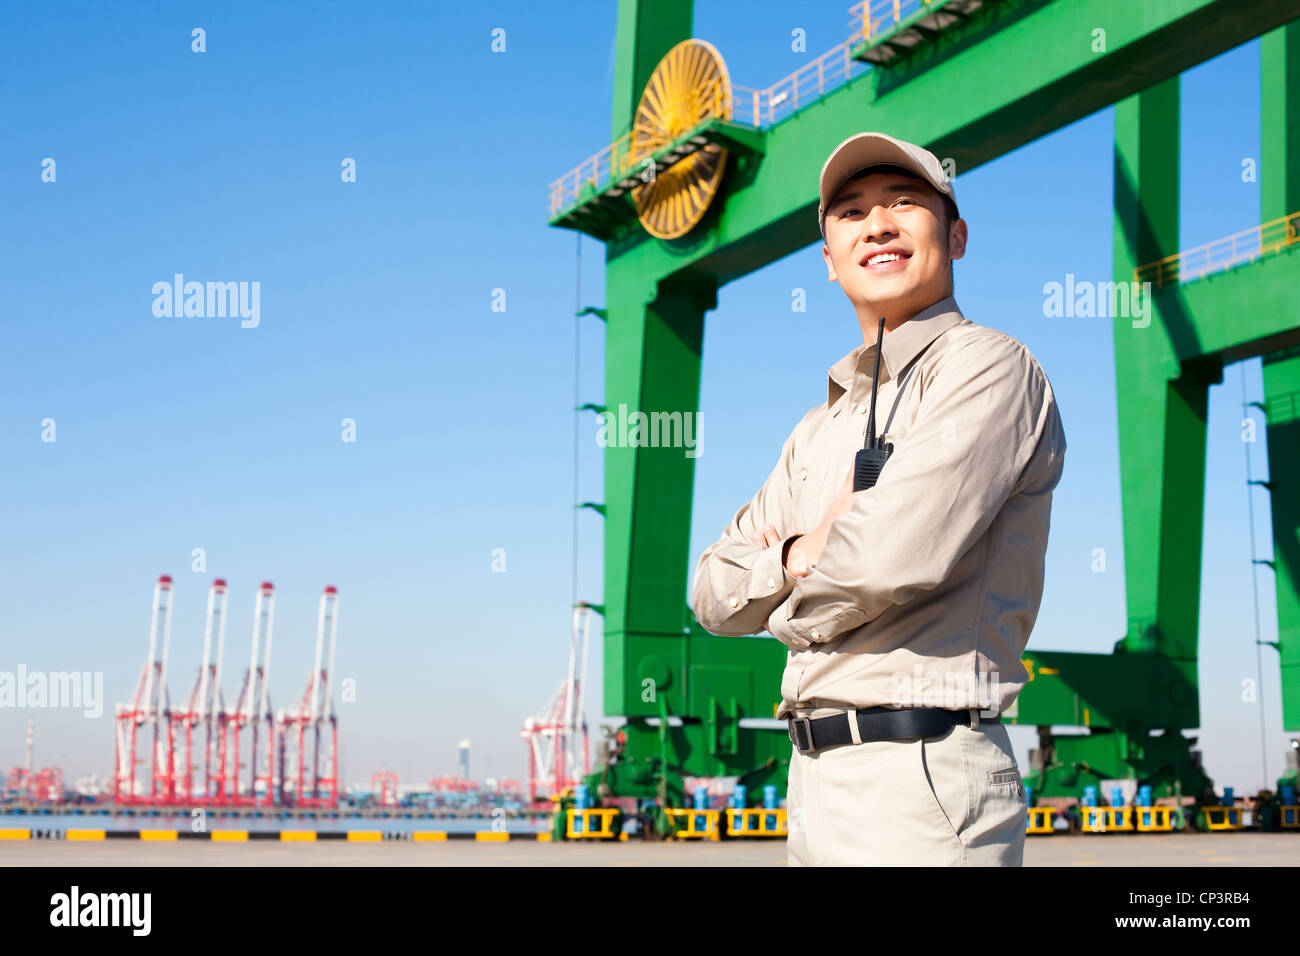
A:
x: 1144, y: 796
x: 579, y: 803
x: 1117, y: 796
x: 1288, y: 795
x: 1089, y: 796
x: 738, y: 802
x: 769, y: 803
x: 1227, y: 801
x: 701, y: 803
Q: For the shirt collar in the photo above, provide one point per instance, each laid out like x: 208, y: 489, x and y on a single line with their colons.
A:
x: 899, y: 347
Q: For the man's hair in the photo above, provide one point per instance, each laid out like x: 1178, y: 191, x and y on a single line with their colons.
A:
x: 949, y: 207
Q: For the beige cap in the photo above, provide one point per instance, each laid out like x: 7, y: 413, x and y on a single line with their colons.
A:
x: 873, y: 149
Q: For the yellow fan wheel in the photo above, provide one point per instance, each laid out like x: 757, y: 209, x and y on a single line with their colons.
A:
x: 689, y: 85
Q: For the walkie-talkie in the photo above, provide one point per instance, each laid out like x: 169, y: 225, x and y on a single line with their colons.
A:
x: 871, y: 458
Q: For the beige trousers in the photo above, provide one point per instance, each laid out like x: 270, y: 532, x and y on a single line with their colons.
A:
x: 952, y: 800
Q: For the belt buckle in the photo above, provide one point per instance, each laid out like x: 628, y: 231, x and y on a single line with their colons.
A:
x: 806, y: 723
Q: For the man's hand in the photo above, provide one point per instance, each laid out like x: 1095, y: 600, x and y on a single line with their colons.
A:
x: 806, y: 550
x: 767, y: 537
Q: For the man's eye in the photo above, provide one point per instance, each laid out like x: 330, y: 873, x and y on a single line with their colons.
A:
x: 903, y: 199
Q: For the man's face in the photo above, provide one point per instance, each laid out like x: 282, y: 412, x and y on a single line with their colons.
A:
x: 887, y: 245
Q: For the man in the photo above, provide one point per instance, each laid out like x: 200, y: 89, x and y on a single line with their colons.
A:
x: 906, y: 606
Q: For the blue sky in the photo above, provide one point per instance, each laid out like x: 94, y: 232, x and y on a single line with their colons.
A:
x: 377, y: 305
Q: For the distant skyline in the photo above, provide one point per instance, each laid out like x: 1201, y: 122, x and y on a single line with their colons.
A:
x: 399, y: 420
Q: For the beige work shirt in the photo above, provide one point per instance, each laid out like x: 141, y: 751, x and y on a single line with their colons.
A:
x: 929, y: 585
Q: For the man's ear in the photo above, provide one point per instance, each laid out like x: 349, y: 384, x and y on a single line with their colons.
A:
x: 830, y: 266
x: 957, y: 239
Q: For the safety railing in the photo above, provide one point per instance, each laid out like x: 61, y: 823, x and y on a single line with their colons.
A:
x: 1222, y: 254
x: 869, y: 20
x: 834, y: 68
x: 872, y: 18
x: 757, y: 108
x: 622, y: 156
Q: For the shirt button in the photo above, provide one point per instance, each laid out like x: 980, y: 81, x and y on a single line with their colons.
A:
x: 734, y: 602
x: 771, y: 582
x: 814, y: 635
x: 844, y: 470
x: 803, y: 476
x: 861, y: 409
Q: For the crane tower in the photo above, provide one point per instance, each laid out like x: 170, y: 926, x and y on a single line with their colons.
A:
x: 149, y: 705
x: 252, y: 713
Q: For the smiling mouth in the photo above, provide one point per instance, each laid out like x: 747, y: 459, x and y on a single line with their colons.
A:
x: 882, y: 260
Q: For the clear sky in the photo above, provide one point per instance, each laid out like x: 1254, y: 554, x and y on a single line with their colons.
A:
x: 376, y: 305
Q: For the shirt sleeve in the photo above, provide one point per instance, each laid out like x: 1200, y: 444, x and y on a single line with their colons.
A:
x: 986, y: 427
x: 737, y: 583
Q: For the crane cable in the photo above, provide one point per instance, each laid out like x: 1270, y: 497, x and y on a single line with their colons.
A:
x: 577, y: 400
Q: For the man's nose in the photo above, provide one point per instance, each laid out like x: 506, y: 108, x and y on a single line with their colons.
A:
x: 878, y: 225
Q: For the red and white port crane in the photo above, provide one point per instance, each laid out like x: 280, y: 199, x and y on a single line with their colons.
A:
x: 312, y: 718
x: 149, y: 705
x: 249, y: 725
x: 20, y: 777
x: 252, y: 713
x: 46, y: 785
x: 205, y: 706
x: 557, y: 734
x: 39, y: 786
x: 384, y: 785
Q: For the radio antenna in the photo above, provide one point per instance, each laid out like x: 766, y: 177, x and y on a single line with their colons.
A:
x: 875, y: 381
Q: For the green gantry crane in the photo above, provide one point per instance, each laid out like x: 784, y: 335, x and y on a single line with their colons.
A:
x: 705, y: 181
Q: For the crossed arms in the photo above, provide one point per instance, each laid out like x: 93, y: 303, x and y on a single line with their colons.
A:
x: 974, y: 443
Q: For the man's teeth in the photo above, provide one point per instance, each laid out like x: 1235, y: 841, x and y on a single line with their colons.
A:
x: 883, y: 257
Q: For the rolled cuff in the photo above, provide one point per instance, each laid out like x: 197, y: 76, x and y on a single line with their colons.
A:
x: 802, y: 634
x: 785, y: 631
x: 768, y: 576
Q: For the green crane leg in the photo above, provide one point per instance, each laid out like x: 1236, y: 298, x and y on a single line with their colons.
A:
x: 1282, y: 408
x: 1161, y: 402
x: 1162, y: 409
x: 653, y: 369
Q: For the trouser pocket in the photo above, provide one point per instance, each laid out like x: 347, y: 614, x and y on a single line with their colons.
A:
x: 943, y: 767
x: 1007, y: 780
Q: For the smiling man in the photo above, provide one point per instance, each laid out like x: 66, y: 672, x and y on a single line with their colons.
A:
x: 905, y: 606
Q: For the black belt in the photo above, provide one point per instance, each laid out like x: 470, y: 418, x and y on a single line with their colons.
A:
x: 876, y: 723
